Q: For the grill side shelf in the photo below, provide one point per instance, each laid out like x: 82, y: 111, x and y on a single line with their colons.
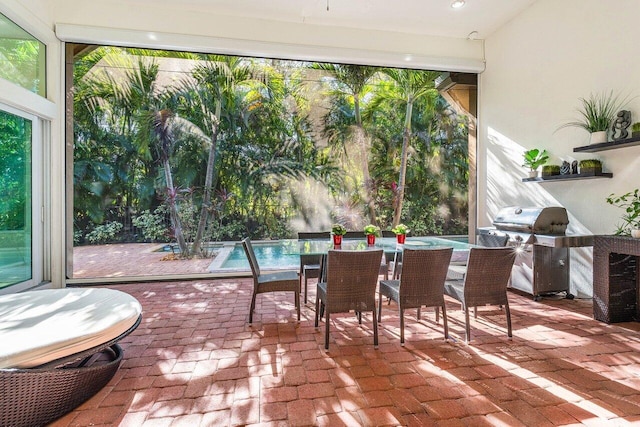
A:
x: 569, y: 177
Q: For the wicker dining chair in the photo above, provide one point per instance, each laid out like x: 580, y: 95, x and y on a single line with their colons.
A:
x: 421, y: 284
x: 281, y: 281
x: 310, y: 264
x: 457, y: 272
x: 352, y: 277
x: 492, y: 240
x: 485, y: 282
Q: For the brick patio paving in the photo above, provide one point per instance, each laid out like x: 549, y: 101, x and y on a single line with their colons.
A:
x: 194, y: 361
x: 131, y: 259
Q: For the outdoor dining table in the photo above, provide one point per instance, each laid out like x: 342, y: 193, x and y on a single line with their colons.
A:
x: 388, y: 245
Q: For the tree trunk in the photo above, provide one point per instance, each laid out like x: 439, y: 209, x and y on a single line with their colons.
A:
x: 173, y: 210
x: 208, y: 188
x: 366, y: 177
x: 403, y: 164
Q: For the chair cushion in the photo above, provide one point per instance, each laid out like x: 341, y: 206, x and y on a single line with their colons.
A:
x: 456, y: 272
x: 38, y: 327
x: 390, y: 289
x: 279, y: 276
x: 311, y: 270
x: 455, y: 289
x: 321, y: 291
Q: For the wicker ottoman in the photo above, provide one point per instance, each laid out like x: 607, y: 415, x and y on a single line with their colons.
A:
x: 49, y: 367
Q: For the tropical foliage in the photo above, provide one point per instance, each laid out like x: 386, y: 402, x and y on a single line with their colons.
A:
x: 221, y: 147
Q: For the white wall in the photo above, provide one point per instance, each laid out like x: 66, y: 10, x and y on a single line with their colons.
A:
x: 538, y: 66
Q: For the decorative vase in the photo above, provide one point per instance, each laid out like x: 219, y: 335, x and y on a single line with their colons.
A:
x: 337, y: 240
x: 401, y: 238
x: 598, y: 137
x: 371, y: 239
x: 635, y: 234
x: 533, y: 174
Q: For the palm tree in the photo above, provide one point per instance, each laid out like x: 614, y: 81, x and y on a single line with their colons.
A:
x: 147, y: 112
x: 404, y: 89
x: 352, y: 83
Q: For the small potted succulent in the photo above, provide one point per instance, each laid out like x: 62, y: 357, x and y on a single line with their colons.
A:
x: 533, y: 159
x: 401, y: 231
x: 590, y: 166
x: 338, y: 230
x: 630, y: 202
x: 371, y: 231
x: 550, y: 170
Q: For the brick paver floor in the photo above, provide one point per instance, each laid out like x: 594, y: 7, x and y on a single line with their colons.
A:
x: 194, y: 361
x: 131, y: 259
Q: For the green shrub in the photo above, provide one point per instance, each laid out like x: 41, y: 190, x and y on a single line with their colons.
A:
x: 104, y: 233
x: 153, y: 225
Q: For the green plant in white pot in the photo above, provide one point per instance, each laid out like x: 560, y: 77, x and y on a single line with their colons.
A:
x: 597, y: 113
x: 533, y: 159
x: 630, y: 202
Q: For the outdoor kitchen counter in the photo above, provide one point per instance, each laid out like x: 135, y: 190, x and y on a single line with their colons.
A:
x: 616, y: 279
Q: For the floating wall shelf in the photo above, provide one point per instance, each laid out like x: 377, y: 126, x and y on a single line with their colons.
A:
x: 630, y: 142
x: 555, y: 178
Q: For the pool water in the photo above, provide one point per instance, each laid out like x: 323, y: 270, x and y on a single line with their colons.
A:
x: 278, y: 254
x: 269, y: 256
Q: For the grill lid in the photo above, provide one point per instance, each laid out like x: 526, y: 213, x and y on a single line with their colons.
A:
x: 549, y: 220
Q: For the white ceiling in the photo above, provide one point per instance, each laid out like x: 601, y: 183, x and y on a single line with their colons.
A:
x: 428, y: 17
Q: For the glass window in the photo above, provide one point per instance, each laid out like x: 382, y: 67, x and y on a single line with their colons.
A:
x: 22, y: 57
x: 16, y: 201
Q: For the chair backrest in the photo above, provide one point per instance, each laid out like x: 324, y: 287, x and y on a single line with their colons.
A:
x: 251, y: 256
x: 352, y: 277
x: 492, y: 240
x: 354, y: 235
x: 312, y: 235
x: 389, y: 233
x: 424, y: 272
x: 487, y: 276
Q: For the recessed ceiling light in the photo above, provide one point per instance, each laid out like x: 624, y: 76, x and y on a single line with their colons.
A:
x: 457, y: 4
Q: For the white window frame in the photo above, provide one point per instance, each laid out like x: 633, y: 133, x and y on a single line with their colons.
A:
x: 48, y: 151
x: 37, y: 202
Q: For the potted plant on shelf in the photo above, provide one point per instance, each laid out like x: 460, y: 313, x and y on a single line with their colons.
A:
x: 338, y: 230
x: 630, y: 202
x: 550, y: 170
x: 401, y: 231
x: 635, y: 130
x: 596, y: 115
x: 533, y: 159
x: 590, y: 166
x: 371, y: 231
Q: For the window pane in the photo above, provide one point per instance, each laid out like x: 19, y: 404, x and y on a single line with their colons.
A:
x: 22, y: 57
x: 15, y: 203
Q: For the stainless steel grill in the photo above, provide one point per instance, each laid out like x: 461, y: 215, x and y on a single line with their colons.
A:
x: 539, y: 234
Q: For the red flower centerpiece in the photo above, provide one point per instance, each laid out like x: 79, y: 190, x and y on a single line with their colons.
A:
x: 371, y: 231
x: 401, y: 231
x: 338, y: 231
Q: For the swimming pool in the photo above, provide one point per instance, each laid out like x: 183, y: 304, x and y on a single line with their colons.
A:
x: 283, y: 254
